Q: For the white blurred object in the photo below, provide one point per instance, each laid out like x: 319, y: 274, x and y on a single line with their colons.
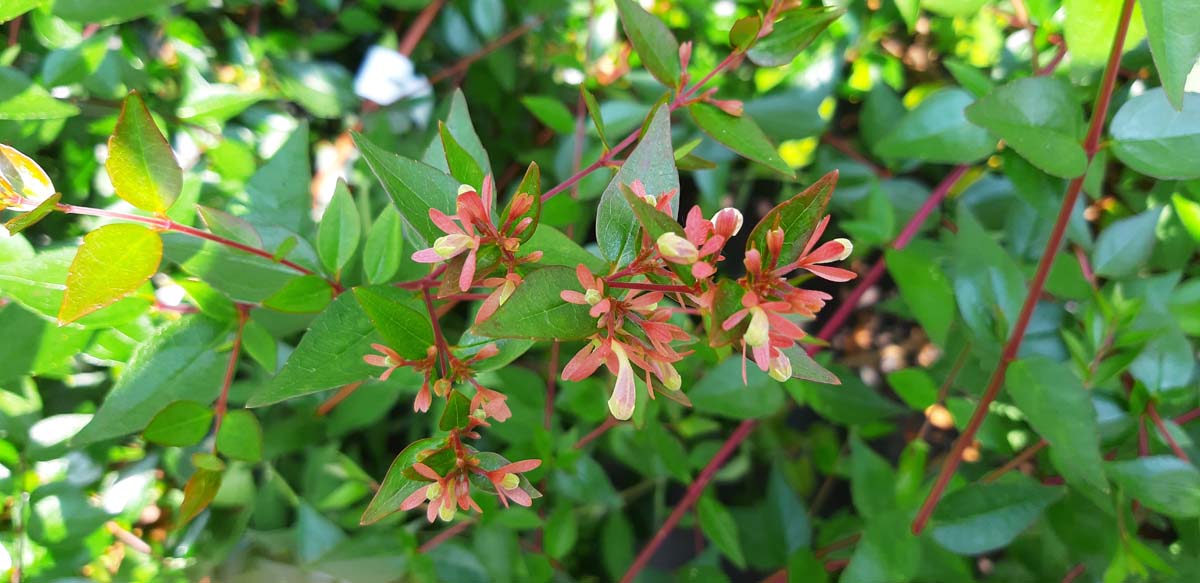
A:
x: 386, y: 76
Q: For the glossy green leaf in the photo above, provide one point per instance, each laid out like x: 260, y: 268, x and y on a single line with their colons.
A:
x: 536, y: 310
x: 230, y: 227
x: 888, y: 550
x: 279, y: 194
x: 1171, y: 27
x: 652, y: 162
x: 1040, y: 119
x: 109, y: 11
x: 652, y: 40
x: 562, y: 531
x: 340, y: 230
x: 925, y: 289
x: 1166, y: 362
x: 1188, y: 212
x: 798, y: 217
x: 240, y: 436
x: 384, y: 249
x: 953, y: 7
x: 240, y: 275
x: 804, y: 367
x: 15, y: 8
x: 1090, y: 26
x: 1151, y: 137
x: 180, y: 424
x: 457, y: 414
x: 531, y: 184
x: 718, y: 525
x: 988, y: 284
x: 551, y: 112
x: 414, y: 187
x: 593, y: 109
x: 1162, y: 483
x: 979, y: 518
x: 36, y: 282
x: 1124, y: 246
x: 180, y: 361
x: 557, y: 249
x: 396, y: 485
x: 307, y: 294
x: 329, y: 355
x: 140, y: 162
x: 872, y: 480
x: 113, y: 262
x: 462, y: 166
x: 744, y: 32
x: 657, y: 223
x: 851, y: 403
x: 458, y: 123
x: 198, y: 493
x: 400, y: 317
x: 24, y: 221
x: 740, y: 134
x: 721, y: 392
x: 1060, y: 409
x: 793, y: 33
x: 937, y: 130
x: 21, y: 99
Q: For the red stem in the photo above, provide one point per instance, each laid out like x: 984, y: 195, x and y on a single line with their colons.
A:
x: 1074, y: 573
x: 223, y: 400
x: 1188, y: 417
x: 418, y: 27
x: 439, y: 339
x: 487, y: 49
x: 1166, y: 435
x: 609, y: 423
x: 337, y: 398
x: 444, y: 536
x: 693, y: 493
x: 1091, y: 145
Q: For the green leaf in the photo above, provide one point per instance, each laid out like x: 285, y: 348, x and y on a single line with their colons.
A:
x: 970, y: 78
x: 872, y: 480
x: 396, y: 485
x: 721, y: 392
x: 109, y: 11
x: 180, y: 424
x: 938, y: 131
x: 113, y: 262
x: 240, y: 436
x: 953, y: 7
x: 788, y: 511
x: 226, y: 225
x: 652, y: 40
x: 462, y: 166
x: 1060, y: 409
x: 652, y: 162
x: 1040, y: 118
x: 457, y: 414
x: 551, y: 112
x: 24, y: 221
x: 1188, y: 212
x: 321, y: 87
x: 562, y: 531
x: 329, y: 355
x: 718, y: 525
x: 851, y: 403
x: 988, y: 285
x: 37, y: 281
x: 198, y: 493
x: 340, y: 230
x: 1124, y: 246
x: 307, y: 294
x: 15, y: 8
x: 279, y: 192
x: 1090, y: 27
x: 798, y: 217
x: 384, y: 250
x: 1165, y: 363
x: 557, y: 249
x: 925, y: 289
x: 261, y: 346
x: 888, y: 551
x: 593, y: 109
x: 240, y: 275
x: 180, y: 361
x: 531, y: 184
x: 1171, y: 27
x: 979, y: 518
x: 536, y: 310
x: 744, y: 32
x: 798, y: 29
x: 458, y: 122
x: 740, y: 134
x: 657, y: 223
x: 1153, y: 138
x: 140, y: 162
x: 804, y: 567
x: 400, y: 317
x: 1162, y: 483
x: 805, y: 368
x: 414, y: 187
x: 20, y: 99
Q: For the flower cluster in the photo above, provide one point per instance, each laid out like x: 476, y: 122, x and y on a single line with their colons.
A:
x: 449, y: 493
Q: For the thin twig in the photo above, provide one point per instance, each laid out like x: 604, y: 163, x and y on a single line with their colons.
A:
x: 223, y: 400
x: 1152, y: 410
x: 1026, y: 455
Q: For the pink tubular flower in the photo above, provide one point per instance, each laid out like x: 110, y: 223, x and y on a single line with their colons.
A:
x: 390, y: 360
x: 387, y: 358
x: 624, y: 397
x: 445, y: 495
x: 593, y: 294
x: 508, y: 483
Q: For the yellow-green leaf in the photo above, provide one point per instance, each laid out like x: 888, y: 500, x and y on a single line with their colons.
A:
x: 113, y: 262
x: 140, y: 163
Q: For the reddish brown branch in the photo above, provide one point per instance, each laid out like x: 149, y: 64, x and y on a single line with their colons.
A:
x: 337, y: 398
x: 1152, y: 410
x: 223, y: 400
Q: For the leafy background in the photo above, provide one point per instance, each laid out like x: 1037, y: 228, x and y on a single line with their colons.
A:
x: 1081, y: 471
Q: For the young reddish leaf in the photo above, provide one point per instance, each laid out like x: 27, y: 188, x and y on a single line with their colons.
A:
x: 798, y: 217
x: 240, y: 436
x: 537, y: 311
x: 21, y: 222
x: 113, y: 262
x: 198, y: 493
x: 180, y: 424
x: 653, y: 41
x: 140, y: 162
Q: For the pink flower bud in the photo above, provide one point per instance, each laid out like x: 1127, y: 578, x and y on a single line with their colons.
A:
x: 685, y: 55
x: 451, y: 245
x: 731, y: 106
x: 847, y: 249
x: 727, y: 222
x: 676, y: 249
x: 774, y: 242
